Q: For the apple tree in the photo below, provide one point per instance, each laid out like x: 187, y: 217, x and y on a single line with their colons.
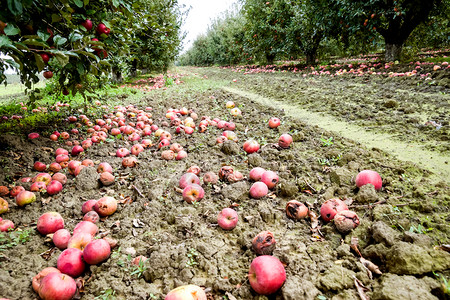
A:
x: 394, y: 20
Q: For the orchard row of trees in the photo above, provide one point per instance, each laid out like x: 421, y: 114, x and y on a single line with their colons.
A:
x: 264, y: 30
x: 78, y: 40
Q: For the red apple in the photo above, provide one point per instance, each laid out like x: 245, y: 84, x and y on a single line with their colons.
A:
x: 227, y: 219
x: 193, y: 193
x: 274, y: 122
x: 39, y: 166
x: 105, y: 206
x: 57, y: 286
x: 266, y: 274
x: 60, y: 177
x: 45, y: 57
x: 3, y: 206
x: 96, y: 252
x: 104, y: 167
x: 107, y: 178
x: 264, y: 243
x: 346, y: 220
x: 296, y: 210
x: 368, y: 176
x: 48, y: 74
x: 61, y: 238
x: 256, y: 173
x: 91, y: 216
x: 210, y: 177
x: 122, y: 152
x: 15, y: 190
x: 270, y: 178
x: 24, y: 198
x: 62, y: 158
x: 50, y: 222
x: 88, y: 206
x: 87, y: 24
x: 181, y: 155
x: 76, y: 150
x: 79, y: 240
x: 86, y: 227
x: 4, y: 191
x: 188, y: 178
x: 54, y: 187
x: 38, y: 187
x: 54, y: 167
x: 5, y: 225
x: 331, y: 207
x: 87, y: 163
x: 251, y: 146
x: 186, y: 292
x: 70, y: 262
x: 44, y: 177
x: 258, y: 190
x: 129, y: 162
x: 136, y: 149
x: 285, y: 140
x: 36, y: 281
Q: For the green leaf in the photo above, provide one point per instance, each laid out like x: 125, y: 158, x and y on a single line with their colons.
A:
x: 62, y: 58
x: 56, y: 18
x: 91, y: 11
x: 5, y: 41
x: 116, y: 3
x: 33, y: 42
x: 11, y: 29
x: 15, y: 7
x: 73, y: 37
x: 59, y: 40
x: 43, y: 35
x: 39, y: 62
x: 80, y: 68
x: 86, y: 2
x: 78, y: 3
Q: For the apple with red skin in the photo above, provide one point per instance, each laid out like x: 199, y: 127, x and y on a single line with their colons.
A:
x: 15, y: 190
x: 78, y: 170
x: 256, y: 173
x: 24, y: 198
x: 105, y: 206
x: 129, y: 162
x: 330, y: 208
x: 61, y: 151
x: 251, y: 146
x: 122, y: 152
x: 43, y: 177
x: 54, y: 167
x: 266, y: 275
x: 264, y: 243
x: 54, y: 187
x: 38, y: 187
x: 33, y: 135
x: 36, y: 281
x: 345, y: 221
x: 73, y: 164
x: 274, y: 122
x: 136, y: 149
x: 115, y: 131
x: 229, y: 126
x: 87, y: 24
x: 193, y: 193
x: 88, y: 163
x: 57, y: 286
x: 91, y: 216
x: 60, y: 177
x: 50, y: 222
x: 258, y: 190
x: 3, y: 206
x: 270, y: 178
x: 101, y: 28
x: 104, y: 167
x: 61, y: 238
x: 86, y: 227
x: 70, y: 262
x: 88, y: 206
x: 285, y: 140
x: 62, y: 158
x: 369, y: 176
x: 79, y: 240
x: 181, y: 155
x: 45, y: 57
x: 107, y: 178
x: 227, y: 219
x: 48, y: 74
x: 4, y: 191
x: 96, y: 252
x: 194, y: 169
x: 188, y: 178
x: 76, y: 150
x: 296, y: 210
x: 39, y: 166
x: 210, y: 177
x: 5, y: 225
x: 186, y: 292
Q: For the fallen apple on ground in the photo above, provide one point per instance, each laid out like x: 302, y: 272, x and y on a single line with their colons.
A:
x: 227, y: 219
x: 266, y: 275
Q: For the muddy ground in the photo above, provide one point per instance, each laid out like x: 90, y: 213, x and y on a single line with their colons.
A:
x: 403, y: 227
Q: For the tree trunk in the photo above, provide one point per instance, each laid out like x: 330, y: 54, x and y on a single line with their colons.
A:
x: 270, y: 58
x: 393, y: 51
x: 116, y: 76
x: 311, y: 58
x: 133, y: 70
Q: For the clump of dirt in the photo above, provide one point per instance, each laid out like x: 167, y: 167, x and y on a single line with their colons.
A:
x: 399, y: 224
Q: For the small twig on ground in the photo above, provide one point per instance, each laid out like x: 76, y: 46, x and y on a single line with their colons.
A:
x: 310, y: 186
x: 138, y: 191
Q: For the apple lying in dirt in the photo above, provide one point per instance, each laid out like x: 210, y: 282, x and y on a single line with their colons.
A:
x: 270, y: 178
x: 129, y: 162
x: 88, y: 205
x: 210, y: 177
x: 61, y: 238
x: 76, y: 150
x: 36, y: 281
x: 258, y: 190
x: 39, y: 166
x: 346, y: 220
x: 50, y: 222
x: 54, y: 187
x: 188, y: 178
x: 264, y: 243
x: 186, y: 292
x: 107, y: 178
x: 6, y: 225
x: 104, y: 167
x: 296, y: 210
x: 70, y: 262
x: 266, y: 275
x: 54, y: 167
x: 38, y: 187
x: 105, y: 206
x: 368, y: 176
x: 88, y: 163
x: 4, y: 191
x: 24, y: 198
x: 79, y: 240
x: 251, y: 146
x: 256, y: 173
x: 91, y: 216
x: 330, y: 208
x: 122, y: 152
x: 61, y: 151
x: 33, y: 135
x: 60, y: 177
x: 57, y: 286
x: 3, y: 206
x: 227, y: 219
x: 285, y: 140
x: 15, y: 190
x: 44, y: 177
x: 86, y: 227
x: 274, y: 122
x: 96, y: 252
x: 193, y: 193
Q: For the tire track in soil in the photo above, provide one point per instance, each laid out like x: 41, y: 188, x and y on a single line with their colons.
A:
x: 434, y: 162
